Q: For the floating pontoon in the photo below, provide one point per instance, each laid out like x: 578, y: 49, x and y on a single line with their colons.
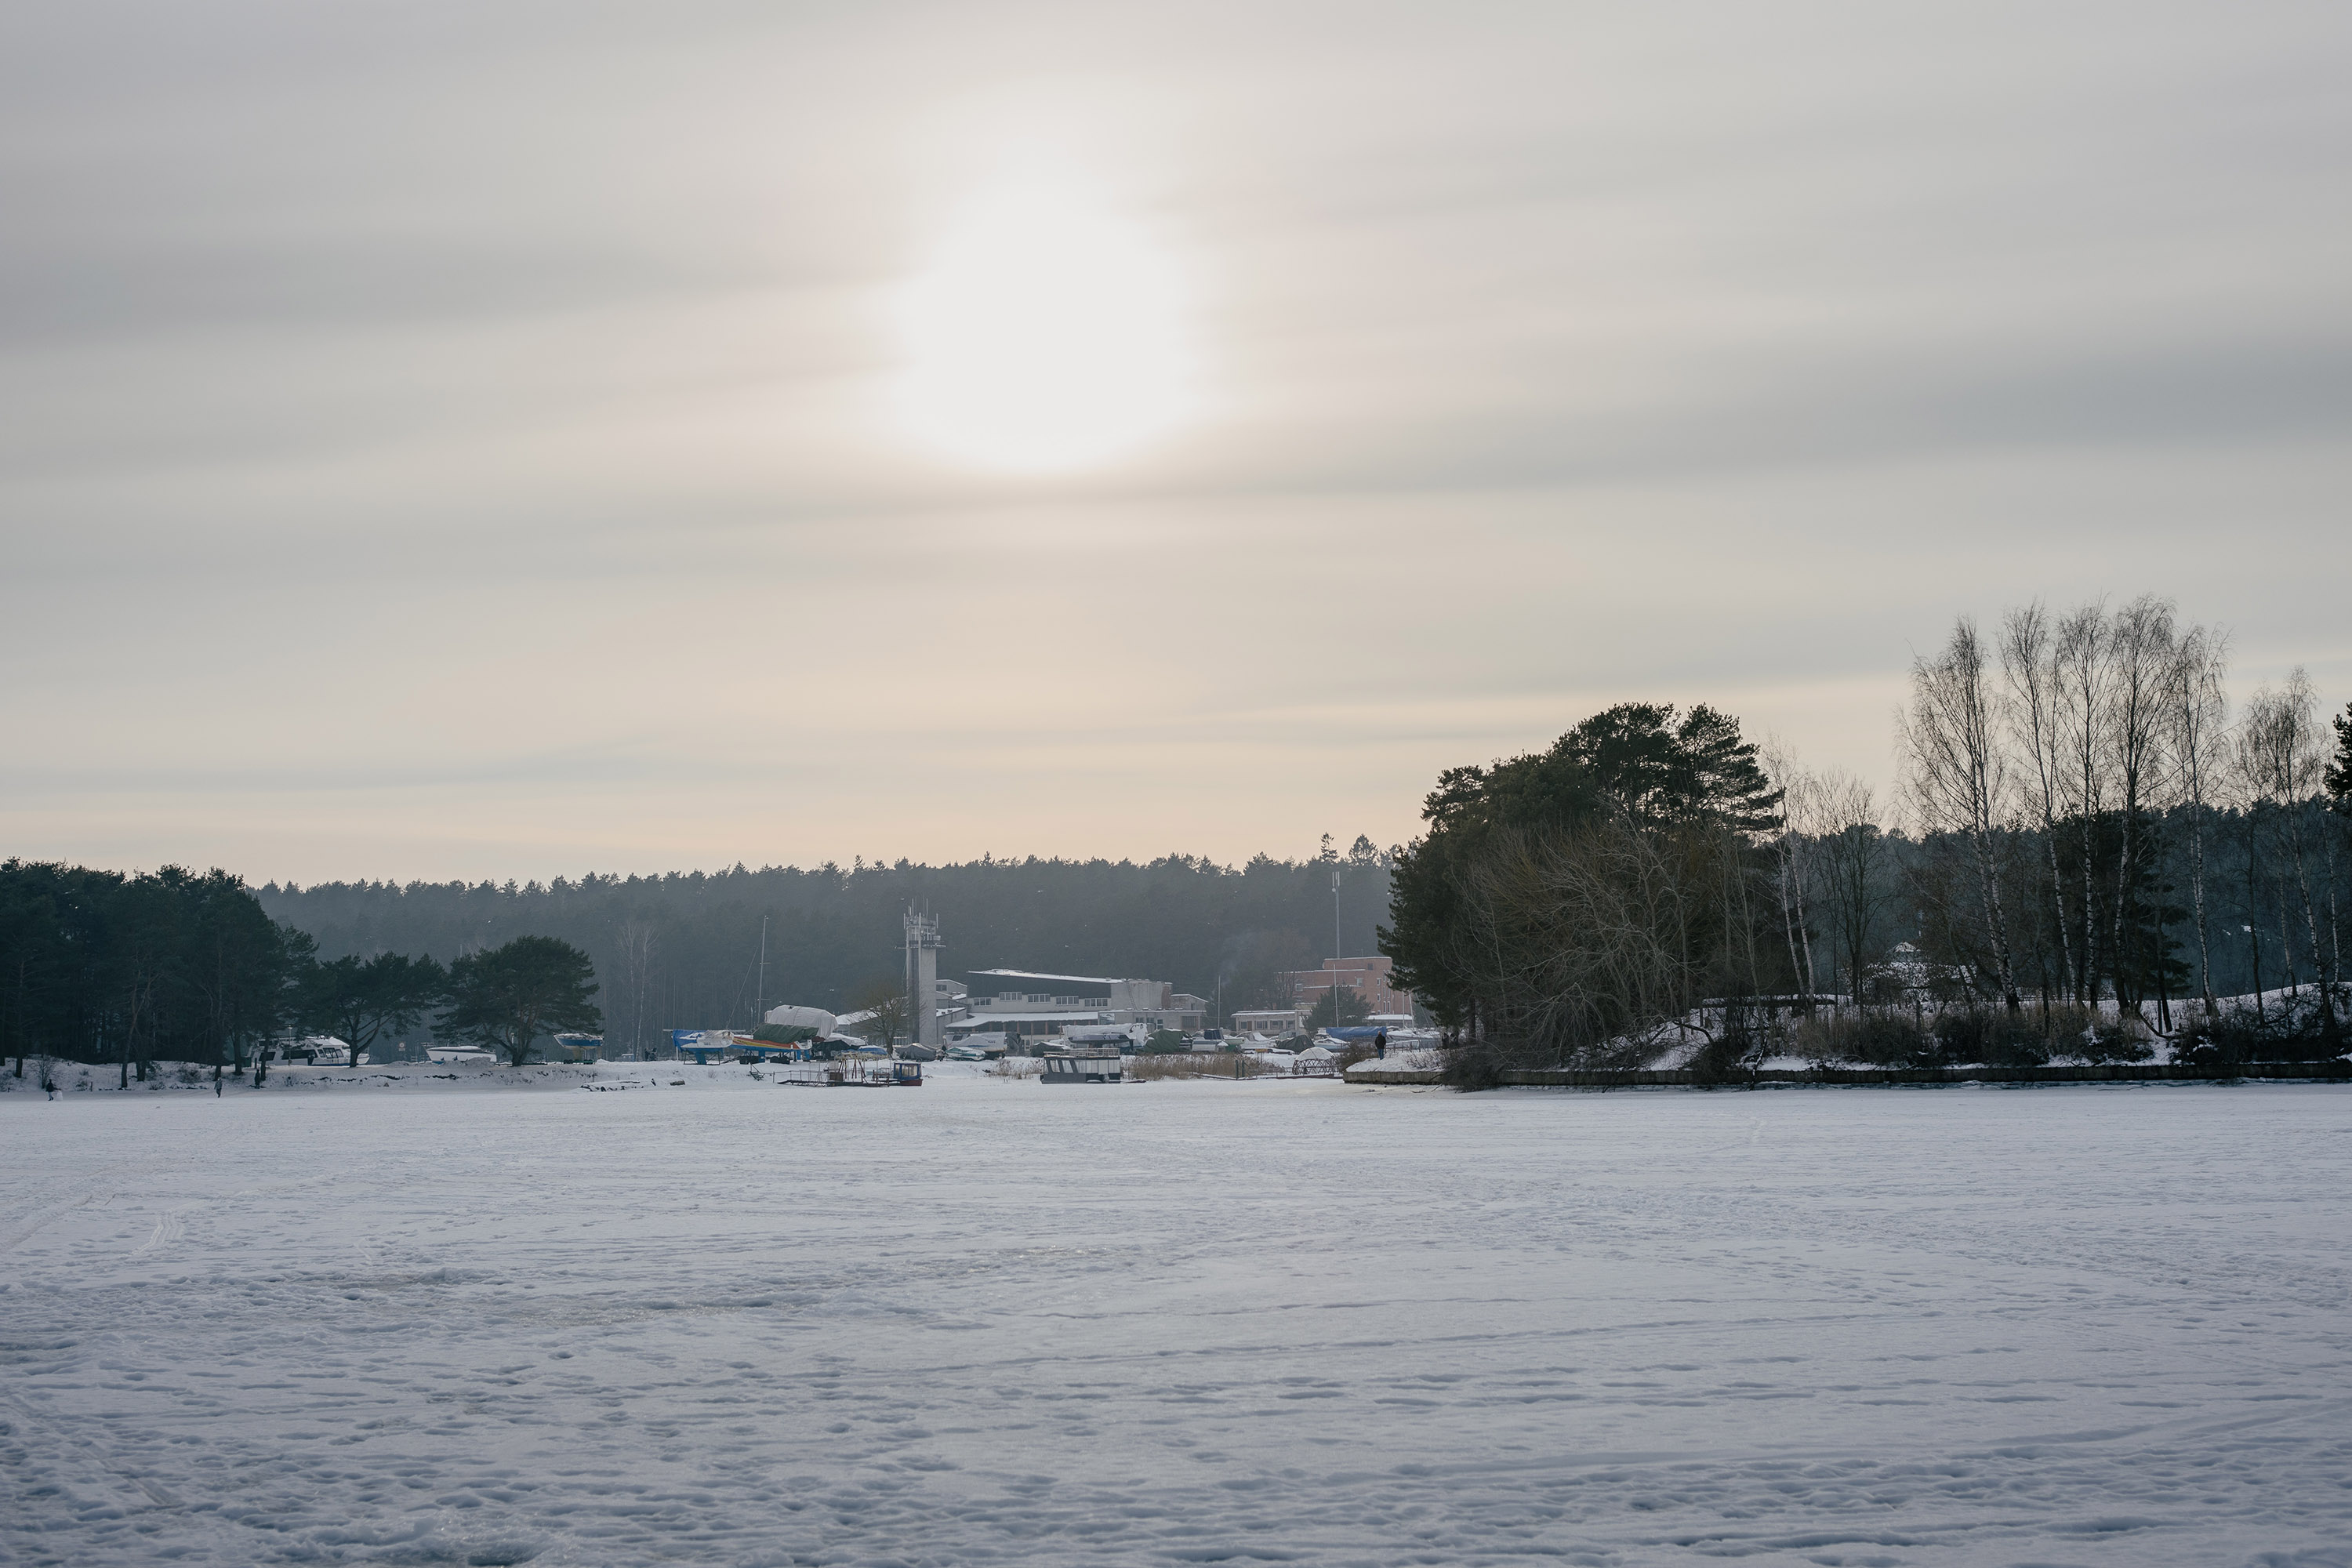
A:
x: 853, y: 1072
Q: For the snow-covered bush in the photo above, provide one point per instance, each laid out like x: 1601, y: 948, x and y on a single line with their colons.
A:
x: 2296, y: 1029
x: 2104, y: 1040
x: 1474, y: 1068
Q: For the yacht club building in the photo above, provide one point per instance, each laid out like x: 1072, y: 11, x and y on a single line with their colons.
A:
x: 1020, y: 1003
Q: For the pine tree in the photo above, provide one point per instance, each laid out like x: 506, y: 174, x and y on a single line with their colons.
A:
x: 2338, y: 778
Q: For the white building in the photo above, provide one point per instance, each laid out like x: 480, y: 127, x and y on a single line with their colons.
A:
x: 1017, y: 1002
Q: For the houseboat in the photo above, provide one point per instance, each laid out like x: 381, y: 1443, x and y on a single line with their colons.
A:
x: 1081, y: 1067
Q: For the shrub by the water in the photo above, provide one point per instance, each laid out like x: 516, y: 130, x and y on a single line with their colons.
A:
x: 1973, y: 1036
x: 1474, y: 1068
x: 2104, y: 1040
x: 1733, y: 1055
x: 2297, y: 1030
x: 1875, y: 1039
x: 1721, y: 1061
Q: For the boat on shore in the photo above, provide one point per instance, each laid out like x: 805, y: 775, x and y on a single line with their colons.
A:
x: 853, y: 1072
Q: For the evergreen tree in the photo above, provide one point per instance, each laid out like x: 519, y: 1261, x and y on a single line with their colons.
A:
x: 2338, y: 776
x: 1340, y: 1007
x: 98, y: 966
x: 1634, y: 767
x: 509, y: 998
x: 360, y: 1002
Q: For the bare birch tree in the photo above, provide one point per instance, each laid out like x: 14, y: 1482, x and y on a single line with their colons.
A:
x: 2080, y: 657
x: 2280, y: 754
x: 2141, y: 642
x: 1793, y: 855
x: 2246, y: 793
x: 1853, y: 857
x: 1957, y: 775
x: 2198, y: 705
x: 2029, y: 667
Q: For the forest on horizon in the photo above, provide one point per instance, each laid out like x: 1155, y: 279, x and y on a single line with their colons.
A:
x: 684, y: 950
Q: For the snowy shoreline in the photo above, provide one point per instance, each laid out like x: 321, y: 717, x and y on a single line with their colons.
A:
x: 1399, y: 1072
x: 75, y: 1078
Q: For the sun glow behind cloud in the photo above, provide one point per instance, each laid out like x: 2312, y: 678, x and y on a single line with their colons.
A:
x: 1049, y: 334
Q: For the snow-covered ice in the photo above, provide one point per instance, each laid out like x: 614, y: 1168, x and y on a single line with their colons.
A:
x: 1178, y: 1322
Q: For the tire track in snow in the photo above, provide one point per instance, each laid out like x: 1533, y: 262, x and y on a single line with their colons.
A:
x: 157, y: 1495
x: 50, y: 1202
x: 169, y: 1228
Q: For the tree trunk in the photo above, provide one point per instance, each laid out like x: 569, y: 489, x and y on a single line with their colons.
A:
x: 2286, y: 943
x: 2058, y: 903
x: 2197, y: 903
x: 1997, y: 923
x: 2125, y: 930
x: 1790, y: 920
x: 2090, y: 992
x: 2319, y: 966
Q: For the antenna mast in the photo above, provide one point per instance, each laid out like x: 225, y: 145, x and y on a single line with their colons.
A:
x: 1336, y: 950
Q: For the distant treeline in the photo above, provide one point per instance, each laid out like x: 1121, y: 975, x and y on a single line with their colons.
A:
x: 683, y: 951
x: 100, y: 966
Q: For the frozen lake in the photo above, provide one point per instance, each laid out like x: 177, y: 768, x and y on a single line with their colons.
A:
x: 1175, y: 1323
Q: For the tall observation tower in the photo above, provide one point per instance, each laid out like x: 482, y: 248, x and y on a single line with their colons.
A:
x: 923, y: 946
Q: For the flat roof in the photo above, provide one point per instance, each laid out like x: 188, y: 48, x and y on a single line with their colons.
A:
x: 1026, y: 974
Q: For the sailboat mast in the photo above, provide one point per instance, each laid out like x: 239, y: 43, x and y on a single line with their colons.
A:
x: 760, y: 995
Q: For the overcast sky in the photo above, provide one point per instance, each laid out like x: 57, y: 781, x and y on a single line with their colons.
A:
x: 464, y: 440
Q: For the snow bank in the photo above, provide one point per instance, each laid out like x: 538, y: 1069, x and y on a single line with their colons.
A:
x: 1423, y: 1058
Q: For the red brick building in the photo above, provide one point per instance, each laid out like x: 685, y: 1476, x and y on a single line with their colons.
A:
x: 1367, y: 977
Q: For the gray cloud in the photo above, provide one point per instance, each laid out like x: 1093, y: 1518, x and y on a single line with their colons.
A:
x: 437, y: 440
